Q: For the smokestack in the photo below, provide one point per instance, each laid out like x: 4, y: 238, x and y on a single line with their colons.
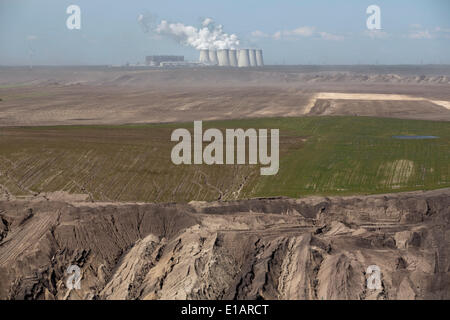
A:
x: 243, y: 59
x: 232, y: 56
x: 259, y: 58
x: 204, y: 56
x: 252, y: 57
x: 223, y: 58
x: 213, y: 57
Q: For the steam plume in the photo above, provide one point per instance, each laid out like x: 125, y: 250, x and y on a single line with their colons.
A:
x: 208, y: 36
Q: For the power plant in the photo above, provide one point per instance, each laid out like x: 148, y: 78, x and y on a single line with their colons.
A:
x: 223, y: 57
x: 259, y: 58
x: 242, y: 58
x: 216, y: 47
x: 232, y: 58
x: 204, y: 56
x: 213, y: 60
x: 156, y: 61
x: 252, y: 57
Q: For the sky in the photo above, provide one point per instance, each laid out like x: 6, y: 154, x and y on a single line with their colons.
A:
x: 288, y: 31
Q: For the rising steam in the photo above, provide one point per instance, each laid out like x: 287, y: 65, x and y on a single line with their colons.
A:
x: 208, y: 36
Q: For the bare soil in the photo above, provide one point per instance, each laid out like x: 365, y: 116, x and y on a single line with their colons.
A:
x: 280, y: 248
x: 102, y: 95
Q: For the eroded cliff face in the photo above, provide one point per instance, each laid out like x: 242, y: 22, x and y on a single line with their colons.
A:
x: 309, y: 248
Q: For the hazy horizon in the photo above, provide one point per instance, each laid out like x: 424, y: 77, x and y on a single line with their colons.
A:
x: 290, y: 32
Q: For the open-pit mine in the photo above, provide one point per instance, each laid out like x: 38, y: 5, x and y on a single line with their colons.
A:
x: 87, y: 181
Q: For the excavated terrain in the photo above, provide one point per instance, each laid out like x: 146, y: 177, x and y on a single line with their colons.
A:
x: 266, y: 248
x: 108, y: 95
x: 278, y: 248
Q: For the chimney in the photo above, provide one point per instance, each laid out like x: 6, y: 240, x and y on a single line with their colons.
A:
x: 223, y: 58
x: 232, y: 56
x: 213, y: 57
x: 243, y: 60
x: 204, y: 56
x: 259, y: 58
x: 252, y: 57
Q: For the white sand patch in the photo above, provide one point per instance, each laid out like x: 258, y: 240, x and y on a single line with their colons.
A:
x: 369, y: 97
x: 364, y: 96
x: 310, y: 104
x: 445, y: 104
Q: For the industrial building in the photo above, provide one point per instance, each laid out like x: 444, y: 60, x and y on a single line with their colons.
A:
x: 156, y: 61
x: 232, y: 58
x: 241, y: 58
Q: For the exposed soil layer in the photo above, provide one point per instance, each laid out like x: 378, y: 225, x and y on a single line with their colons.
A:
x: 279, y: 248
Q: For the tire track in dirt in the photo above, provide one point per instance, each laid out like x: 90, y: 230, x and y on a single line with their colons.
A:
x: 28, y: 236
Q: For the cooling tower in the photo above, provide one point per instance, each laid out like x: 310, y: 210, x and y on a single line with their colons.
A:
x: 213, y: 57
x: 222, y: 56
x: 252, y: 57
x: 204, y: 56
x: 232, y: 56
x: 259, y: 58
x: 243, y: 59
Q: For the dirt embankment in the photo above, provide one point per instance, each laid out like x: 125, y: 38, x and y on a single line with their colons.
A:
x: 379, y: 105
x: 102, y: 95
x: 309, y: 248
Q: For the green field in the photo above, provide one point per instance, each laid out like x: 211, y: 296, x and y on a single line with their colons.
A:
x: 318, y: 156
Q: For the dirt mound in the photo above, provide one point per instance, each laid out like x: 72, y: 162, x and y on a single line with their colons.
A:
x: 212, y: 76
x: 308, y: 248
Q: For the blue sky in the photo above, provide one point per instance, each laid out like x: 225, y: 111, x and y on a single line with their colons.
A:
x: 289, y: 31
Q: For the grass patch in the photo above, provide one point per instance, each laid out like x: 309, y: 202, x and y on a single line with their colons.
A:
x: 319, y: 156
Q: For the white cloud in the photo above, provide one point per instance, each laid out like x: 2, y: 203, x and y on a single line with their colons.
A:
x: 277, y: 35
x: 443, y: 32
x: 421, y: 34
x: 303, y: 31
x: 32, y: 37
x: 440, y: 29
x: 259, y: 34
x: 330, y: 36
x: 376, y: 34
x: 298, y: 32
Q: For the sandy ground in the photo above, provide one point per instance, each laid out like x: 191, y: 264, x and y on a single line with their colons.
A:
x: 309, y: 248
x: 98, y: 95
x: 370, y: 97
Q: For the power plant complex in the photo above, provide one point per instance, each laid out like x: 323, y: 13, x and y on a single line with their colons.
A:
x: 240, y: 58
x: 216, y: 47
x: 232, y: 58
